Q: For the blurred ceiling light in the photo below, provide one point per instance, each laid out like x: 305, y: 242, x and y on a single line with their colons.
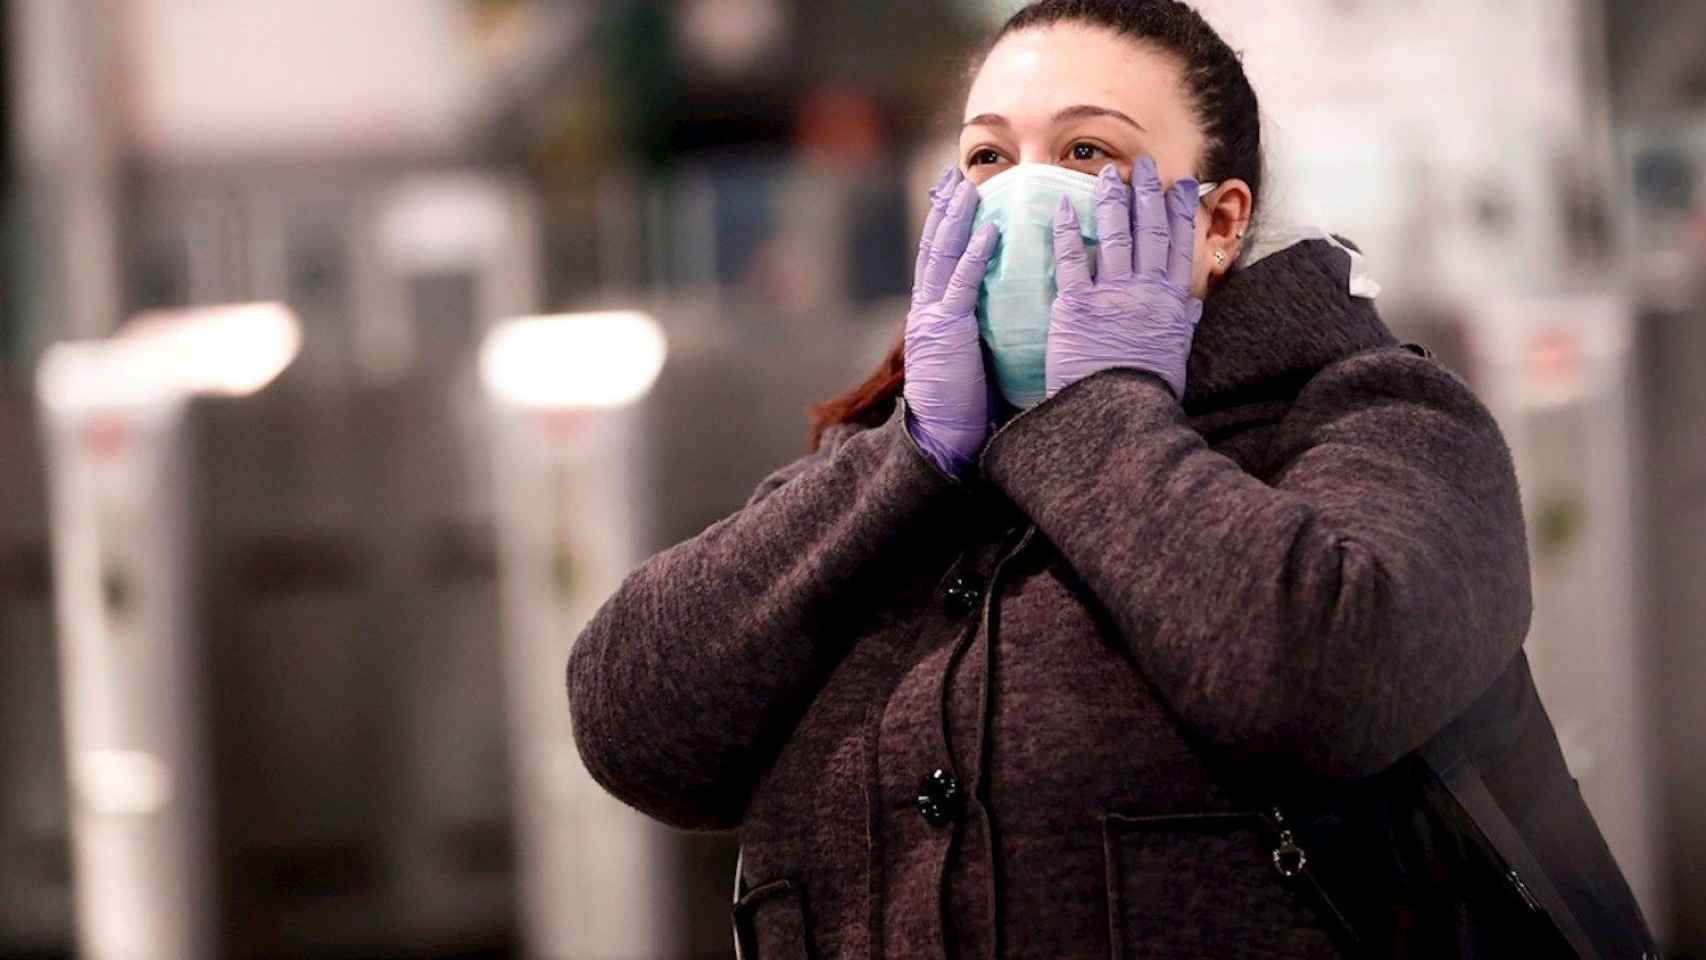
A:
x: 231, y: 350
x: 730, y: 36
x: 583, y: 360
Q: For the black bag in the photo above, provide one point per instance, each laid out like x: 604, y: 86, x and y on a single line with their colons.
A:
x: 1478, y: 844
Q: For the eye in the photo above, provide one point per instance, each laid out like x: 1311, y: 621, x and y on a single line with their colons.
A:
x: 1085, y: 152
x: 981, y: 158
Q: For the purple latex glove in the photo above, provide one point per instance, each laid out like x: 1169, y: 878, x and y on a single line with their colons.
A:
x: 946, y: 391
x: 1138, y: 311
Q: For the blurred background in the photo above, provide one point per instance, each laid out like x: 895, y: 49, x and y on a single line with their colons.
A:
x: 281, y: 659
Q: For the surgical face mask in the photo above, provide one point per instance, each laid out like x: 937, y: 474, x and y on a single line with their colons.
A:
x: 1019, y: 286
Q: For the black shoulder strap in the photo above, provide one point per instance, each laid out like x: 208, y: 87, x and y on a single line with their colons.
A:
x: 1465, y: 785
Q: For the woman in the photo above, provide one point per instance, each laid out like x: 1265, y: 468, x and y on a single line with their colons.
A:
x: 1094, y: 628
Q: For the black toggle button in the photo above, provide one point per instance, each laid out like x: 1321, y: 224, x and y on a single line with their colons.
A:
x: 939, y: 798
x: 960, y: 597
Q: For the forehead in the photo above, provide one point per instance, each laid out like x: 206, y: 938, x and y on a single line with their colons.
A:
x: 1031, y: 74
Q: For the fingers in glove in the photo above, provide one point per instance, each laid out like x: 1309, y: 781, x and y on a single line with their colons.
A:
x: 1071, y: 264
x: 950, y: 241
x: 1149, y: 219
x: 1182, y: 227
x: 940, y: 194
x: 1113, y: 226
x: 961, y: 296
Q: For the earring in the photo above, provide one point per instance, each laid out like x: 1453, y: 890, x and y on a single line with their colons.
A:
x: 1220, y: 258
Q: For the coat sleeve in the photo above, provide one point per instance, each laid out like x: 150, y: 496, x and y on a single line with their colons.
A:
x: 1330, y: 620
x: 685, y: 683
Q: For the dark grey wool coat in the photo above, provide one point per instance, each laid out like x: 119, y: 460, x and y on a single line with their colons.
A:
x: 999, y: 716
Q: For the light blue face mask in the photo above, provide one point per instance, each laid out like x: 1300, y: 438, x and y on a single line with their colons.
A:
x: 1018, y: 287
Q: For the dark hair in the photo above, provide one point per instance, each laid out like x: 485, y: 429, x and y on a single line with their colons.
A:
x: 1226, y: 110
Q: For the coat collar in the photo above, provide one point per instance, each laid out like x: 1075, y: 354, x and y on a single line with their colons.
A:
x: 1271, y: 325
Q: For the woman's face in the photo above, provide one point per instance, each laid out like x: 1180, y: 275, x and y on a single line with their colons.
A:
x: 1082, y: 97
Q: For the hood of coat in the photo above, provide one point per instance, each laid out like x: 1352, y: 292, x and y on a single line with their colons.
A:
x: 1272, y: 324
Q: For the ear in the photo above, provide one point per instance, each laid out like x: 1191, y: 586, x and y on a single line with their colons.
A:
x: 1228, y: 208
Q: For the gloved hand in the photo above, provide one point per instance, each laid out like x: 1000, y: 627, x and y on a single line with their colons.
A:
x: 947, y: 394
x: 1138, y: 311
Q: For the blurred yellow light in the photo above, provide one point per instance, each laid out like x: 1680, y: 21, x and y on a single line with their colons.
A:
x: 577, y: 360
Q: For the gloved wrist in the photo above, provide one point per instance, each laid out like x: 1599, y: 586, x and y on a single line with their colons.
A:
x: 946, y: 457
x: 1166, y: 363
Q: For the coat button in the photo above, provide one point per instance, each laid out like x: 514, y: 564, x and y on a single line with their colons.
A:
x: 939, y: 798
x: 960, y: 597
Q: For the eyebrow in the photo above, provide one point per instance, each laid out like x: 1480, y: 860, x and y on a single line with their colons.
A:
x: 1078, y: 112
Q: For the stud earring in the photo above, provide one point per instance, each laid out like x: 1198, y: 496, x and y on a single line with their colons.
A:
x: 1220, y: 258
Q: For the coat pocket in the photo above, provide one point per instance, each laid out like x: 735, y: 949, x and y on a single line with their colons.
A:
x: 770, y: 922
x: 1190, y: 886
